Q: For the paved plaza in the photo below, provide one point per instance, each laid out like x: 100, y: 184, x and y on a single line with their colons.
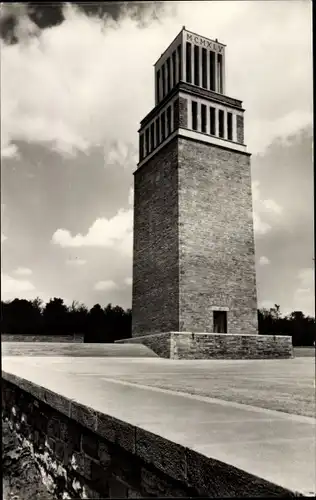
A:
x: 257, y: 415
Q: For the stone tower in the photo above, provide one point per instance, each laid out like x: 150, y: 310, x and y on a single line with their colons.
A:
x: 194, y: 258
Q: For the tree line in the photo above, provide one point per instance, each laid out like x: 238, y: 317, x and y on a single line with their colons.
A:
x: 21, y: 316
x: 300, y: 327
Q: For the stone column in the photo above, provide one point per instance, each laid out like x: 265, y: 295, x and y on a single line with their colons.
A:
x: 145, y: 145
x: 160, y: 85
x: 225, y: 124
x: 189, y: 104
x: 177, y: 66
x: 166, y: 77
x: 141, y: 146
x: 216, y: 73
x: 184, y: 61
x: 234, y: 127
x: 192, y: 63
x: 154, y: 145
x: 216, y: 123
x: 200, y: 67
x: 172, y: 84
x: 160, y: 128
x: 208, y: 69
x: 166, y: 124
x: 199, y: 115
x: 208, y: 120
x: 223, y: 73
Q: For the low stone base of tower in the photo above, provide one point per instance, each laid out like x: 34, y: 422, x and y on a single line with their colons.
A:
x: 184, y: 345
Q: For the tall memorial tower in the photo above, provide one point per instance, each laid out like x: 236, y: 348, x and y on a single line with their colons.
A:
x: 194, y: 257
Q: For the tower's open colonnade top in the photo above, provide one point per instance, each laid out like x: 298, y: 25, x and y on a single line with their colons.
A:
x: 190, y: 97
x: 192, y: 59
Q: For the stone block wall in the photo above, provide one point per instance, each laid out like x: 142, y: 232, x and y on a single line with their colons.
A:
x: 193, y: 240
x: 225, y: 346
x: 181, y: 113
x: 155, y: 263
x: 216, y: 238
x: 240, y: 129
x: 86, y: 454
x: 78, y: 462
x: 184, y: 345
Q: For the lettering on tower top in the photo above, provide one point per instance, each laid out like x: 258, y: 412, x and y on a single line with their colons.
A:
x: 204, y: 42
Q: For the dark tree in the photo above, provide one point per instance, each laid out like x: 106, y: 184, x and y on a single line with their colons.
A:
x: 300, y: 327
x: 55, y: 317
x: 117, y: 323
x: 77, y: 318
x: 95, y: 325
x: 19, y: 316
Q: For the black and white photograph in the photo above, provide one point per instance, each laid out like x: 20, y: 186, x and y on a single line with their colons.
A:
x: 158, y: 331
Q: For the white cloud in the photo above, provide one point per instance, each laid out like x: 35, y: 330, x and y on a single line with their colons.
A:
x: 23, y: 271
x: 268, y: 130
x: 11, y: 287
x: 25, y: 27
x: 306, y: 277
x: 260, y: 227
x: 272, y: 206
x: 89, y: 102
x: 3, y: 237
x: 120, y: 153
x: 111, y: 233
x: 266, y: 304
x: 264, y: 261
x: 131, y: 196
x: 303, y: 291
x: 304, y: 296
x: 8, y: 150
x: 93, y: 89
x: 255, y: 191
x: 105, y: 286
x: 128, y: 281
x: 263, y: 208
x: 76, y: 262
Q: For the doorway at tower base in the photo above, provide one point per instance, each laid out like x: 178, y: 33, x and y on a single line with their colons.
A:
x: 186, y: 345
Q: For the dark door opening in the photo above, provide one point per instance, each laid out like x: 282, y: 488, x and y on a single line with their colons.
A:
x: 220, y: 321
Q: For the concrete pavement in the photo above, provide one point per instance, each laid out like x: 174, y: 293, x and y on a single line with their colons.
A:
x: 164, y: 397
x: 282, y: 385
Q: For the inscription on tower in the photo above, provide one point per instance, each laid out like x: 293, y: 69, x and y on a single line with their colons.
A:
x: 204, y: 42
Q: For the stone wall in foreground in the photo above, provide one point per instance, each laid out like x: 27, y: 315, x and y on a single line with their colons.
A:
x: 83, y: 453
x: 184, y: 345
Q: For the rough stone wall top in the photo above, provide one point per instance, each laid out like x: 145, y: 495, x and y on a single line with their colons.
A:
x: 82, y: 448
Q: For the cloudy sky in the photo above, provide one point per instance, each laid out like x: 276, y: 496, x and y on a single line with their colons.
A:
x: 75, y: 83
